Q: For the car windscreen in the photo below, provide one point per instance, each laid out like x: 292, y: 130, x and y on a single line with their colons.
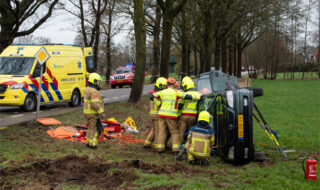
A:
x: 16, y: 65
x: 204, y: 85
x: 124, y: 70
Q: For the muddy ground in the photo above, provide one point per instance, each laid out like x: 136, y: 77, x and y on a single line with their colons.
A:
x: 73, y: 170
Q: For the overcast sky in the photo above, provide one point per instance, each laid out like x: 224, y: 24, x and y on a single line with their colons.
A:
x: 61, y: 28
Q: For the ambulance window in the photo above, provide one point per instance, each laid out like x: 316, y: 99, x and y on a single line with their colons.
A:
x: 37, y: 69
x: 89, y: 64
x: 16, y: 65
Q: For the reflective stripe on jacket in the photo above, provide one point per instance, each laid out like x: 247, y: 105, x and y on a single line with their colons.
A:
x: 169, y: 102
x: 93, y: 101
x: 200, y: 144
x: 154, y: 105
x: 190, y: 106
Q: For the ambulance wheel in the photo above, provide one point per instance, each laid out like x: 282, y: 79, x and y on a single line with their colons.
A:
x: 113, y: 86
x: 75, y: 99
x: 30, y: 103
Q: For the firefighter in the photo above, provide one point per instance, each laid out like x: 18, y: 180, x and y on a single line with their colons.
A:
x: 93, y: 108
x: 168, y: 116
x: 161, y: 84
x: 188, y: 108
x: 200, y: 140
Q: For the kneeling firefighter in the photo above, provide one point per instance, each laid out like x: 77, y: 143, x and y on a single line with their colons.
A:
x: 161, y: 84
x: 200, y: 140
x: 93, y: 108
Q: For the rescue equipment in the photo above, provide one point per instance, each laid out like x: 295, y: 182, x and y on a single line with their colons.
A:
x: 310, y: 171
x: 49, y: 121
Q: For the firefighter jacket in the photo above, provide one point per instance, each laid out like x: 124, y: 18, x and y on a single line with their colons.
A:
x: 93, y: 101
x: 200, y: 140
x: 154, y: 105
x: 190, y: 105
x: 169, y: 102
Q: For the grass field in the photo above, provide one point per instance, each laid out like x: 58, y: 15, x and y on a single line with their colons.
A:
x: 292, y: 108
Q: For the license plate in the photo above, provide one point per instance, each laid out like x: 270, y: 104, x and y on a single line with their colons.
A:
x: 120, y: 80
x: 240, y: 126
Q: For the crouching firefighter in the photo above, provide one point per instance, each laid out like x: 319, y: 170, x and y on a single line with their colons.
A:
x: 200, y: 140
x: 161, y: 84
x: 93, y: 108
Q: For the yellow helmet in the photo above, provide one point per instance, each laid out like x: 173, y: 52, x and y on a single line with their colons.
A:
x: 94, y: 78
x: 161, y: 83
x: 188, y: 84
x: 186, y: 78
x: 204, y: 116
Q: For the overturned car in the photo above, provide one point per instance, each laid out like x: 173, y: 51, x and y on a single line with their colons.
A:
x: 232, y: 110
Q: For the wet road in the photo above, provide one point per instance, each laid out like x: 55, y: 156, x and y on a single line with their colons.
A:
x: 14, y: 115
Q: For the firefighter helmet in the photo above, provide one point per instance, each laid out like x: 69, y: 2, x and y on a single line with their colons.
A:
x: 171, y: 80
x: 204, y: 116
x: 94, y: 78
x: 161, y: 83
x: 187, y: 85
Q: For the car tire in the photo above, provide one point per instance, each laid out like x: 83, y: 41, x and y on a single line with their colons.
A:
x: 113, y: 86
x: 30, y: 103
x: 130, y: 85
x: 75, y: 99
x: 257, y: 92
x: 120, y: 86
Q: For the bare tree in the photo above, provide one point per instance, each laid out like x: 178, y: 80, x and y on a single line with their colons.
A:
x: 13, y: 14
x: 140, y: 36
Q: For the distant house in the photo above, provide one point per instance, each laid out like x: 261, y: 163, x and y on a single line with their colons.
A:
x: 314, y: 57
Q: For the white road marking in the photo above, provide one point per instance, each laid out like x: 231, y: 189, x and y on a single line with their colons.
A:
x: 17, y: 116
x: 36, y: 112
x: 106, y: 99
x: 16, y: 112
x: 54, y: 108
x: 115, y: 97
x: 124, y: 96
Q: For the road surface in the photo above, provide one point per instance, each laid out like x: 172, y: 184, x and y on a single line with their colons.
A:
x: 14, y: 115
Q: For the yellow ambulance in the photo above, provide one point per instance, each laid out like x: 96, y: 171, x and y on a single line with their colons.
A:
x: 64, y: 75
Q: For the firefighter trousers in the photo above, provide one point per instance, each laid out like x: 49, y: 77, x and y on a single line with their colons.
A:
x: 153, y: 134
x: 195, y: 157
x: 92, y: 132
x: 185, y: 123
x: 166, y: 125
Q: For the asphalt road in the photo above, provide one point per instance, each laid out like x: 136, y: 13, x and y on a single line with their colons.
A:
x: 14, y: 115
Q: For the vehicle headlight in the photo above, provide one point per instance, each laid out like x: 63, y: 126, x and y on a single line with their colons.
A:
x: 230, y: 98
x: 17, y: 86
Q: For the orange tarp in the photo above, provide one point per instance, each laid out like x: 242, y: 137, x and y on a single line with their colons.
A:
x: 64, y: 132
x: 49, y: 121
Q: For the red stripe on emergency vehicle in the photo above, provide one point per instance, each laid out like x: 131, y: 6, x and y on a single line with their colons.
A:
x: 26, y: 86
x: 34, y: 81
x: 10, y: 82
x: 54, y: 80
x: 45, y: 82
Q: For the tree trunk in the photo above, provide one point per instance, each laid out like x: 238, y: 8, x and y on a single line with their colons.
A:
x: 195, y: 54
x: 184, y: 47
x: 165, y: 45
x: 217, y: 54
x: 239, y: 51
x: 234, y: 61
x: 202, y: 60
x: 140, y: 36
x: 156, y: 45
x: 224, y: 54
x: 230, y: 65
x: 188, y: 58
x: 109, y: 66
x: 5, y: 39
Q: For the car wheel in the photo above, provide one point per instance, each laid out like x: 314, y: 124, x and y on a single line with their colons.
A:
x: 75, y: 99
x: 113, y: 86
x: 30, y: 103
x: 130, y: 85
x: 120, y: 86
